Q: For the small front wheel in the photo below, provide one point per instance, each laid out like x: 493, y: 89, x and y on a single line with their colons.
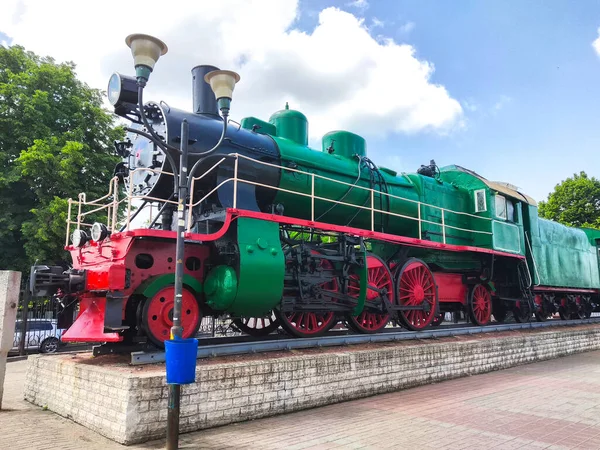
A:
x: 480, y: 305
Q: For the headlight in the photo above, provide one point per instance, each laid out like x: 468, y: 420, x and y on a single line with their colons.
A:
x: 99, y: 232
x: 122, y: 89
x: 114, y: 88
x: 79, y: 238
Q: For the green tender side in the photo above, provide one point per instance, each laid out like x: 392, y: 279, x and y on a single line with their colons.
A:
x: 261, y: 270
x: 563, y: 256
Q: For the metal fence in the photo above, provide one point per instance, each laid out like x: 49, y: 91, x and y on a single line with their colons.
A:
x: 211, y: 327
x: 37, y: 328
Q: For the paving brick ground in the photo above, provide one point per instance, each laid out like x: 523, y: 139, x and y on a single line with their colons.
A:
x: 553, y: 404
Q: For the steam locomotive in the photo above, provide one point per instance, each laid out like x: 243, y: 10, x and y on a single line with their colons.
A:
x: 278, y: 234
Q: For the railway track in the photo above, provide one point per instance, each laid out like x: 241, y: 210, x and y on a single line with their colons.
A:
x: 274, y: 342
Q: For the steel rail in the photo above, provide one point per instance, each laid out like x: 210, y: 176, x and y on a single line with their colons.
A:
x: 260, y: 346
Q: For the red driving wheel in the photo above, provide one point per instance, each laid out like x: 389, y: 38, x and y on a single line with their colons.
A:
x: 415, y: 286
x: 378, y: 277
x: 157, y: 315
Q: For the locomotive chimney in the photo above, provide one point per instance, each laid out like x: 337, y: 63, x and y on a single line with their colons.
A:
x: 203, y: 98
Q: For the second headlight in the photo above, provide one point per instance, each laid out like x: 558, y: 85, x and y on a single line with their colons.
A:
x: 99, y: 232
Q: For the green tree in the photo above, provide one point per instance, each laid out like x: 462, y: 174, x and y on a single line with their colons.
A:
x: 55, y: 141
x: 574, y: 202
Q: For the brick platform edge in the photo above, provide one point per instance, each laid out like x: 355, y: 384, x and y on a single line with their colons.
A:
x: 129, y: 405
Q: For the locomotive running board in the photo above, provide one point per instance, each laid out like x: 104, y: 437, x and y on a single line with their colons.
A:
x: 139, y: 358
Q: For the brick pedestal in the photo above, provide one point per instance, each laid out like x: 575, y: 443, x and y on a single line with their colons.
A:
x: 129, y: 404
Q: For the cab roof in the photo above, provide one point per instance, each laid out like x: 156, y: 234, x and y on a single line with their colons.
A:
x: 499, y: 186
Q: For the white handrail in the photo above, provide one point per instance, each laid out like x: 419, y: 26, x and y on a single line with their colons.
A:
x: 354, y: 185
x: 193, y: 185
x: 316, y: 197
x: 113, y: 205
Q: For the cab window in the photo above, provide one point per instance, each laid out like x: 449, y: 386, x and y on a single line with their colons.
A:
x: 505, y: 208
x: 500, y: 207
x: 510, y: 211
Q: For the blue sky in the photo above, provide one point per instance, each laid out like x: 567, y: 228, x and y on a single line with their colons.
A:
x: 527, y: 72
x: 523, y: 73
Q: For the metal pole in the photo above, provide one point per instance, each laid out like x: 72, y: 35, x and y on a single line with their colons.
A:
x: 24, y: 313
x: 176, y: 329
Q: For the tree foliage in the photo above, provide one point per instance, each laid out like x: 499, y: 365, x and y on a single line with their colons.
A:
x: 574, y: 202
x: 55, y: 141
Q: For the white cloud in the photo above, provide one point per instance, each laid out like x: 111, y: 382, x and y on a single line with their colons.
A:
x: 376, y: 23
x: 470, y: 105
x: 501, y: 103
x: 360, y: 4
x: 407, y: 27
x: 596, y: 43
x: 337, y: 74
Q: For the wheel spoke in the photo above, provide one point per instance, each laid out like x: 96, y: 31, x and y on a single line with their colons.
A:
x: 480, y: 305
x: 416, y: 287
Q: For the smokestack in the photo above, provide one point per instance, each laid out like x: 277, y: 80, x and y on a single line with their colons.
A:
x: 204, y: 101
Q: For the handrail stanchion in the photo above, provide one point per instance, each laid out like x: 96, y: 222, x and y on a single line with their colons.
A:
x: 372, y: 210
x: 129, y: 196
x: 109, y: 206
x: 419, y: 218
x: 312, y: 198
x: 68, y: 221
x: 108, y: 216
x: 443, y: 227
x: 190, y: 206
x: 235, y: 181
x: 81, y: 200
x: 115, y: 204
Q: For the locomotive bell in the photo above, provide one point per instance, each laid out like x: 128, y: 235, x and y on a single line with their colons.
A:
x: 146, y: 50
